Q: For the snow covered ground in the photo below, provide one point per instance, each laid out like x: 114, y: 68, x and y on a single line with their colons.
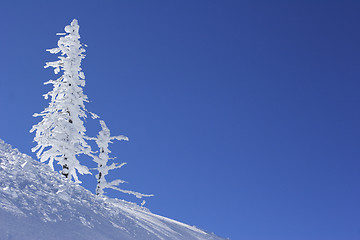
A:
x: 36, y: 203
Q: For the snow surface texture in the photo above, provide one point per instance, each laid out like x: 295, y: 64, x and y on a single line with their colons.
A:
x: 37, y: 203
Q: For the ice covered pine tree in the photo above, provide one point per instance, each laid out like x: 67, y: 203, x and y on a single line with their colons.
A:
x: 103, y: 140
x: 60, y: 134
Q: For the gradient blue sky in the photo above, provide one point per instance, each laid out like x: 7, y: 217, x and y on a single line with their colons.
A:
x: 243, y: 116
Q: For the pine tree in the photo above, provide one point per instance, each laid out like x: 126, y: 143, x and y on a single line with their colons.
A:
x: 60, y: 135
x: 103, y: 140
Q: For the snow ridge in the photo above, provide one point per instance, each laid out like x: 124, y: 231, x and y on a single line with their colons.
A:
x: 36, y: 203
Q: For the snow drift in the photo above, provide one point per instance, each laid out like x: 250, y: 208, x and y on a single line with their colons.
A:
x: 37, y: 203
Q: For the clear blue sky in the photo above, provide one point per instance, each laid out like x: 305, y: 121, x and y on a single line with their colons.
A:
x: 243, y: 116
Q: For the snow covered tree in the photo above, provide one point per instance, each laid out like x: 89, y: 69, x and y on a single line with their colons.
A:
x: 103, y: 140
x: 60, y: 135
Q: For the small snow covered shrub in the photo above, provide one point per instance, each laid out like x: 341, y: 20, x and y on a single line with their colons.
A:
x: 103, y: 140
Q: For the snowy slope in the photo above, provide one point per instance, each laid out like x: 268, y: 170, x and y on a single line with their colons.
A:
x: 37, y: 203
